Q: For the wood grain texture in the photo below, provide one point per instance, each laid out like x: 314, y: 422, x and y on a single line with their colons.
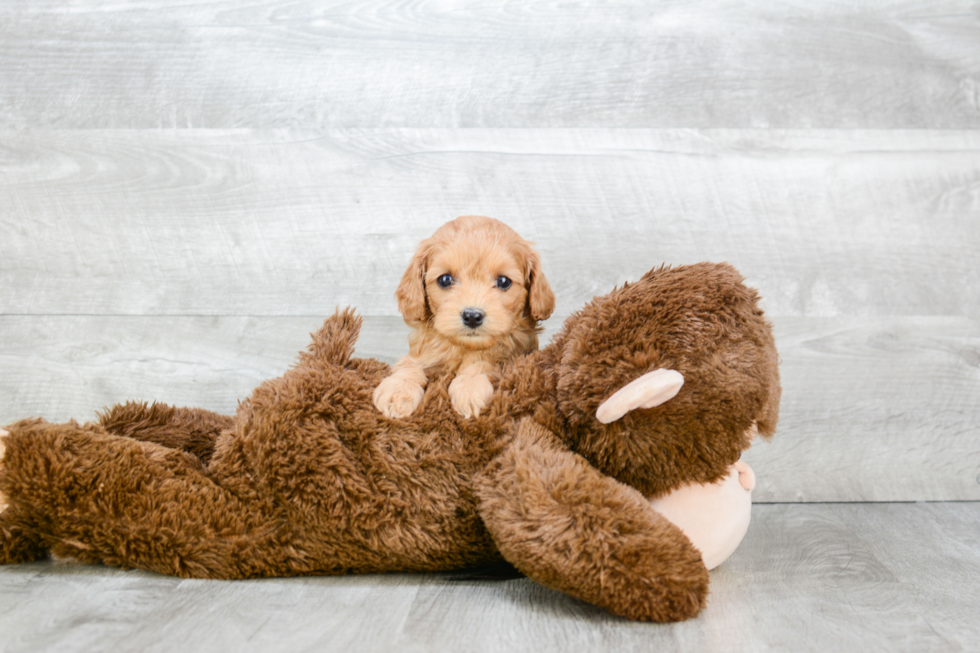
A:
x: 186, y: 189
x: 438, y: 63
x: 818, y: 577
x: 883, y: 409
x: 208, y: 362
x: 875, y: 409
x: 202, y: 222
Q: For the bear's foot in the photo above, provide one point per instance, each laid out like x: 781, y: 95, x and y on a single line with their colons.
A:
x: 16, y: 544
x: 3, y: 448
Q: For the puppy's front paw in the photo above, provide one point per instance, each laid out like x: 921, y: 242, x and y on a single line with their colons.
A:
x: 396, y: 397
x: 470, y: 393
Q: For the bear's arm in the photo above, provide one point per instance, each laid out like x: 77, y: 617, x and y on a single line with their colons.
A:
x: 566, y: 525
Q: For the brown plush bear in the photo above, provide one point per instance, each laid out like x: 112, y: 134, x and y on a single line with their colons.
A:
x: 309, y: 478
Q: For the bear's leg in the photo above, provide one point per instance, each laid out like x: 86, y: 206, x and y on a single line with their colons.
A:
x: 95, y: 497
x: 566, y: 525
x: 193, y: 430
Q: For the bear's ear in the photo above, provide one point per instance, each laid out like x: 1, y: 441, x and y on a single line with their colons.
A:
x: 648, y: 391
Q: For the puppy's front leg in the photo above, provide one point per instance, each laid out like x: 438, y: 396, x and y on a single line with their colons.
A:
x: 400, y: 393
x: 471, y: 389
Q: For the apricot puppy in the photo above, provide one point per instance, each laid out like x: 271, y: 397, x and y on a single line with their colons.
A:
x: 473, y: 295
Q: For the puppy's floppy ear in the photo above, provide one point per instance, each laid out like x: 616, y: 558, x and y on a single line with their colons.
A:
x: 540, y: 298
x: 412, y: 302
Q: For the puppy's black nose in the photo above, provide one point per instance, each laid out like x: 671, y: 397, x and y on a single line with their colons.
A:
x: 472, y: 317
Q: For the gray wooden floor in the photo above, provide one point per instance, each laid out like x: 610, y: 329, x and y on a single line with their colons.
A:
x: 187, y: 189
x: 808, y: 577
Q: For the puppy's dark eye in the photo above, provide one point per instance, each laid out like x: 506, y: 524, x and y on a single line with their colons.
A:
x: 503, y: 282
x: 445, y: 281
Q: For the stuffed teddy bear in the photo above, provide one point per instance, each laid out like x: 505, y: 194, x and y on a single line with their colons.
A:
x: 657, y: 386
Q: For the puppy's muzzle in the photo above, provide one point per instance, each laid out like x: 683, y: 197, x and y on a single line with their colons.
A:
x: 472, y: 317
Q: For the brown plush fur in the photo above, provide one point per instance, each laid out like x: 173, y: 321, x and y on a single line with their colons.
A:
x: 308, y: 478
x: 191, y: 429
x: 474, y: 251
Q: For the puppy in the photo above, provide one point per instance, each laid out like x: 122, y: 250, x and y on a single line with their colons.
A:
x: 473, y: 295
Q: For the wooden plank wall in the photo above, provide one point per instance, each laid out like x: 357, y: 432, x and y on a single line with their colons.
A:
x: 186, y: 190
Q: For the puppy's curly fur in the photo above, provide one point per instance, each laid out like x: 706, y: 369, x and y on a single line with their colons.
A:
x: 473, y: 295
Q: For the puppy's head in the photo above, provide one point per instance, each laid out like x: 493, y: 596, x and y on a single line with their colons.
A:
x: 474, y: 280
